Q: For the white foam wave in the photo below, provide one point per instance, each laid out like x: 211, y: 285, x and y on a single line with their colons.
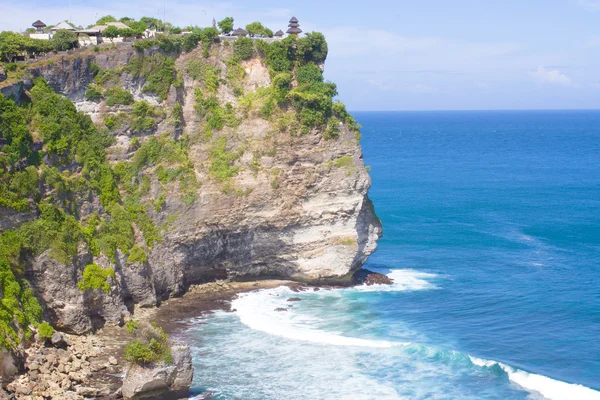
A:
x: 404, y: 280
x: 256, y: 310
x: 547, y: 387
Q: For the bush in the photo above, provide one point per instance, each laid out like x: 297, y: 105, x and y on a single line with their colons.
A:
x: 221, y: 167
x: 117, y: 95
x: 158, y: 70
x: 149, y: 345
x: 205, y: 73
x: 143, y: 44
x: 95, y: 278
x: 309, y: 74
x: 170, y: 44
x: 93, y: 93
x: 333, y: 129
x: 137, y: 255
x: 45, y: 330
x: 243, y: 48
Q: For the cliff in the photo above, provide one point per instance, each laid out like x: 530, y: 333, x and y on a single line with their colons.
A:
x: 220, y: 172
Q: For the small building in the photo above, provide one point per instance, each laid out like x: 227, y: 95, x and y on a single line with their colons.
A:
x: 240, y: 32
x: 62, y: 25
x: 279, y: 34
x: 294, y: 27
x: 93, y: 35
x: 39, y: 25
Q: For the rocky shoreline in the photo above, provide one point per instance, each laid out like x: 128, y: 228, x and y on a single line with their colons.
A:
x: 93, y: 366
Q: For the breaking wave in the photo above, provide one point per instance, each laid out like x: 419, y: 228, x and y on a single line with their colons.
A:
x: 267, y: 311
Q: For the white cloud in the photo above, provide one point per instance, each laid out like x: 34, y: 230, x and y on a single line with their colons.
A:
x: 551, y: 76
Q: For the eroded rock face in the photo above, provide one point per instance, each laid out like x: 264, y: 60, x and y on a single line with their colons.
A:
x: 161, y: 381
x: 297, y: 209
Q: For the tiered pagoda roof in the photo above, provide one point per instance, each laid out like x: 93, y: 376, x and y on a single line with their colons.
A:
x: 294, y: 27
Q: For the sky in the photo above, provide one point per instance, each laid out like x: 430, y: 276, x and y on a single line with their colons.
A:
x: 405, y: 55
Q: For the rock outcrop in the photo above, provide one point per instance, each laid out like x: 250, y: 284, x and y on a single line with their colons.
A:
x: 297, y: 208
x: 162, y: 381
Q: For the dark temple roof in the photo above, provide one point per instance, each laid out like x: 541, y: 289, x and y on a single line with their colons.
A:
x: 239, y: 32
x: 38, y: 24
x: 279, y: 33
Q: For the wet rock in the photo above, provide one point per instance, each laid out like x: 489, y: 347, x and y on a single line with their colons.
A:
x: 294, y: 299
x: 366, y: 277
x: 280, y: 309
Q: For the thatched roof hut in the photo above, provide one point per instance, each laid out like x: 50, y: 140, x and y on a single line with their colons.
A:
x: 38, y: 25
x: 239, y: 32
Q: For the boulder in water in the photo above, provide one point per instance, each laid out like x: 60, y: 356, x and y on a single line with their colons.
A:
x: 366, y: 277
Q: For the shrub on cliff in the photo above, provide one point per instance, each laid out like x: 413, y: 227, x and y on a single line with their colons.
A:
x: 45, y: 330
x: 149, y: 345
x: 95, y: 278
x: 243, y: 48
x: 116, y: 95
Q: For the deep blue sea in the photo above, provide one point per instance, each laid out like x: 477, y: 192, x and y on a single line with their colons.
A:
x: 492, y: 234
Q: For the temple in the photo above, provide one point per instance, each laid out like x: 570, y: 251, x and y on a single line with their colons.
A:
x: 294, y: 27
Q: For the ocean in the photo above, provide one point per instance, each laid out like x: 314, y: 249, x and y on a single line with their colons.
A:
x: 492, y: 234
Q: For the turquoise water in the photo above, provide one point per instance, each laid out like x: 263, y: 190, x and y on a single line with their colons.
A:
x: 492, y: 234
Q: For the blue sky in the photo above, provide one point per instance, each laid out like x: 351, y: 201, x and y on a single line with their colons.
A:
x: 408, y: 55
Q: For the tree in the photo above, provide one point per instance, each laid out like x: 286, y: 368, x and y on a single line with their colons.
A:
x: 257, y: 29
x: 11, y: 44
x: 111, y: 32
x: 64, y: 40
x: 30, y: 30
x: 126, y: 32
x: 138, y: 27
x: 226, y: 25
x: 105, y: 19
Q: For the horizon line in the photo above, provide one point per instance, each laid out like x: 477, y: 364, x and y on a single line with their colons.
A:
x: 482, y: 110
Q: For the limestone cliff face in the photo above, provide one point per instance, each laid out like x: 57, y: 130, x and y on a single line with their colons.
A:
x: 297, y: 208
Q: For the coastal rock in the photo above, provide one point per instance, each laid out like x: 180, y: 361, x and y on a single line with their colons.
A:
x: 366, y: 277
x: 176, y: 378
x: 294, y: 299
x: 59, y: 341
x: 298, y: 208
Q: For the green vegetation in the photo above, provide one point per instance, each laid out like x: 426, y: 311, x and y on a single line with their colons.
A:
x: 137, y: 255
x: 94, y: 278
x: 206, y: 36
x: 243, y: 48
x: 150, y: 344
x: 256, y: 29
x: 64, y: 40
x: 221, y: 161
x: 93, y: 92
x: 69, y: 137
x: 158, y: 70
x: 205, y: 73
x: 117, y: 95
x: 45, y: 330
x: 13, y: 44
x: 226, y: 25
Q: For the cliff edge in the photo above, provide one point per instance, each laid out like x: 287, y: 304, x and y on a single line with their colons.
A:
x: 224, y: 160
